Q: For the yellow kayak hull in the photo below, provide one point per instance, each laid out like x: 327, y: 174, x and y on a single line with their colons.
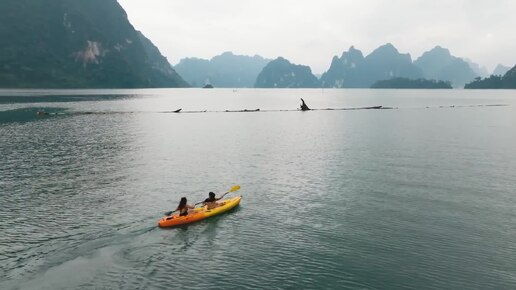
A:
x: 199, y: 214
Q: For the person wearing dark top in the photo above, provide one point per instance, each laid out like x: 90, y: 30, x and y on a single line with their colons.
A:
x: 211, y: 201
x: 184, y: 207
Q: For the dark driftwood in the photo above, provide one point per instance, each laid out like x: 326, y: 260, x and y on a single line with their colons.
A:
x: 304, y: 107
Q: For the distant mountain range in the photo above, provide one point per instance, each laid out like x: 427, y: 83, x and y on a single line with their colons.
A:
x: 222, y: 71
x: 353, y: 70
x: 436, y: 68
x: 77, y: 44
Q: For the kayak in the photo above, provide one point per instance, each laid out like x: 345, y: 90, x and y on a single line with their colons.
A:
x: 199, y: 213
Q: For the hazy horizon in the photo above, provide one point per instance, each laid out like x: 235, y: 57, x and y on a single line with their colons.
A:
x: 311, y: 32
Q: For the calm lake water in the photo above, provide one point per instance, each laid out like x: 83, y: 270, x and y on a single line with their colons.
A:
x: 420, y: 196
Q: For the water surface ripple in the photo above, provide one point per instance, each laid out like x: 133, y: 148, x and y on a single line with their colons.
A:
x: 414, y: 198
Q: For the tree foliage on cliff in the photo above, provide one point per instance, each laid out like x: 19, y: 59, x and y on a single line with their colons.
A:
x: 507, y: 81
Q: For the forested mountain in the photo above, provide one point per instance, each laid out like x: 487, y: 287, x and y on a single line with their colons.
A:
x: 77, y: 44
x: 280, y: 73
x: 507, y: 81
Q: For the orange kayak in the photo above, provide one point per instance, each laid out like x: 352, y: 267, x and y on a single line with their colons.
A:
x: 199, y: 213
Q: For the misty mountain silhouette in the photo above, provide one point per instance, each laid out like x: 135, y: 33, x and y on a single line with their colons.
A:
x: 352, y: 70
x: 500, y: 70
x: 439, y: 64
x: 223, y: 71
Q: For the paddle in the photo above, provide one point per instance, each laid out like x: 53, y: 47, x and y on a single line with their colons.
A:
x: 233, y: 189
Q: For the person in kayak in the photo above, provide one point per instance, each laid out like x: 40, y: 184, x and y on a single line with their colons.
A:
x: 211, y: 201
x: 184, y: 207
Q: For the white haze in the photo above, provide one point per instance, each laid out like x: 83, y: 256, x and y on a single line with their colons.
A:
x: 311, y: 32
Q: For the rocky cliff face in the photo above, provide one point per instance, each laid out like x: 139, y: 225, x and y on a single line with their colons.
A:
x: 344, y: 72
x: 77, y: 44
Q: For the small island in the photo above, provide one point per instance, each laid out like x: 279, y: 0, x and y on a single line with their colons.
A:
x: 405, y: 83
x: 208, y: 86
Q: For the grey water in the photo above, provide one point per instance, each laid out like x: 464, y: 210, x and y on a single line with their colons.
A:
x: 420, y: 196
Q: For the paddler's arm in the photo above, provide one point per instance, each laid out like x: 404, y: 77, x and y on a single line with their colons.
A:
x: 222, y: 196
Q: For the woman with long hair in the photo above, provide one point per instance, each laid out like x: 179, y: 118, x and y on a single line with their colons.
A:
x: 184, y: 207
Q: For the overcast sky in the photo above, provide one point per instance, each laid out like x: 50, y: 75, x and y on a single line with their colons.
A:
x: 311, y: 32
